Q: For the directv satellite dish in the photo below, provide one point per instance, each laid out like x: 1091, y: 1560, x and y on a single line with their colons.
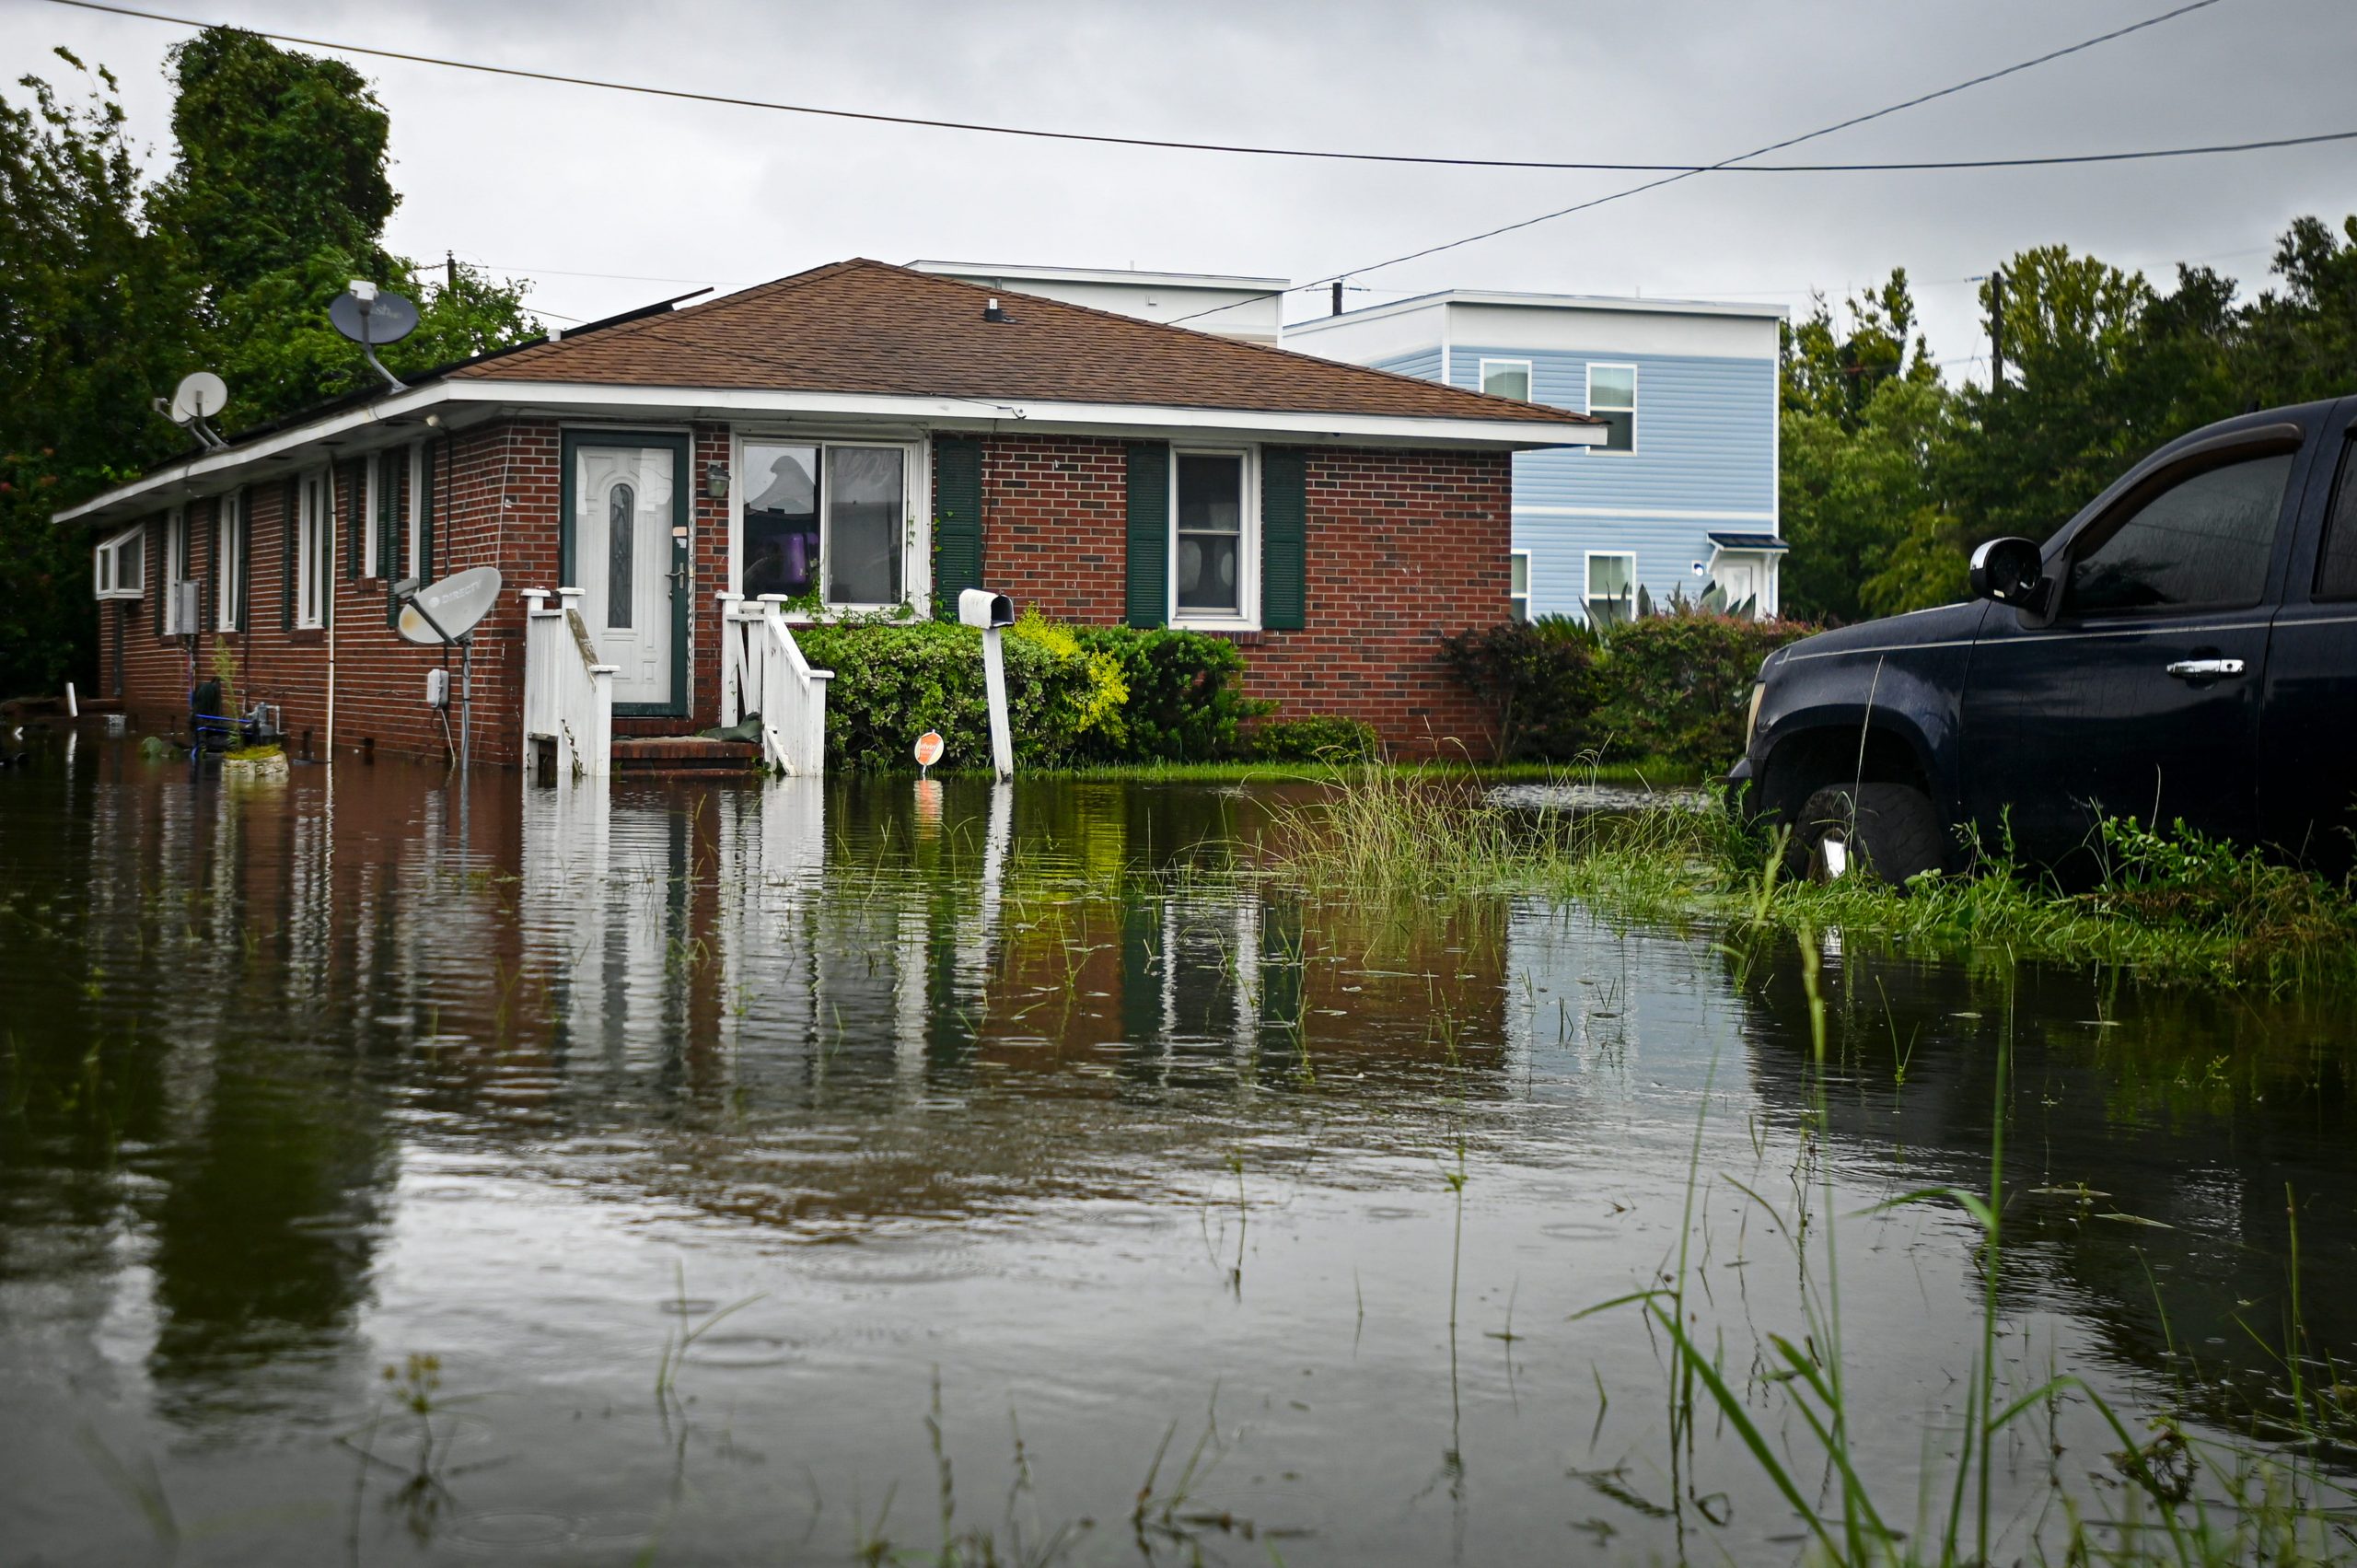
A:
x: 445, y: 612
x: 369, y: 316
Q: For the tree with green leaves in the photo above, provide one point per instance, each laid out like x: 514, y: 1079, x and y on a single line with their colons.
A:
x: 113, y: 287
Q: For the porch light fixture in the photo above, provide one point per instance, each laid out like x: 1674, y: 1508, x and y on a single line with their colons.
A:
x: 715, y: 481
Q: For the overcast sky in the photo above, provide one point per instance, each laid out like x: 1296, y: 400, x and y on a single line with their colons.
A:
x: 570, y: 185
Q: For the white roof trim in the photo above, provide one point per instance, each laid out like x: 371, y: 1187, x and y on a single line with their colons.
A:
x: 192, y: 474
x: 1634, y: 306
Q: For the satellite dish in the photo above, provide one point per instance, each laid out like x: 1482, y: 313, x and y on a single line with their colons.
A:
x: 369, y: 316
x: 445, y: 612
x: 200, y: 395
x: 380, y: 319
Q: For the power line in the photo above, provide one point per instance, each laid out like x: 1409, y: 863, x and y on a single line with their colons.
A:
x: 1919, y: 99
x: 1332, y: 154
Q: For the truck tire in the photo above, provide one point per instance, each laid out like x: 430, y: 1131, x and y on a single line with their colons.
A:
x: 1888, y: 831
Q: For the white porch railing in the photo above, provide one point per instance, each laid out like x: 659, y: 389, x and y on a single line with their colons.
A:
x: 763, y: 672
x: 568, y: 695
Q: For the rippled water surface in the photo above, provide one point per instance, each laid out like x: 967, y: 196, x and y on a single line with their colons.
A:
x: 721, y: 1173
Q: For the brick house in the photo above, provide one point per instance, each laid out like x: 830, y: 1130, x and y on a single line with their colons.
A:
x: 860, y: 436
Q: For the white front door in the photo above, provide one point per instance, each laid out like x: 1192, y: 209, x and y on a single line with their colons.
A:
x: 624, y: 510
x: 1739, y: 578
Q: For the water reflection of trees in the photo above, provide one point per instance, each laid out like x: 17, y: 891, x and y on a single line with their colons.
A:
x: 2153, y: 1135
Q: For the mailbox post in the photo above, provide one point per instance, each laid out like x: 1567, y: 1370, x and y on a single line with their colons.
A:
x: 993, y: 613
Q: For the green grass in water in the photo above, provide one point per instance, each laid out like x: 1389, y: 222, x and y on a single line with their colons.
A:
x: 2168, y: 904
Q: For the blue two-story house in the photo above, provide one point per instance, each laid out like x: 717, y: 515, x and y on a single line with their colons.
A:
x: 1682, y: 495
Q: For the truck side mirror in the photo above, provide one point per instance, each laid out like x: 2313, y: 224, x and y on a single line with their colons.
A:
x: 2011, y: 571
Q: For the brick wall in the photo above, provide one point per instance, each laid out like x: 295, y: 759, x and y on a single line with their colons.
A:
x: 1402, y: 546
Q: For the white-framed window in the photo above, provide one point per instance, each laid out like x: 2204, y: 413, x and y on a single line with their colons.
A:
x: 414, y: 503
x: 228, y: 560
x: 1215, y: 539
x: 830, y: 523
x: 375, y: 499
x: 1506, y: 378
x: 119, y: 565
x: 1518, y: 587
x: 314, y: 535
x: 1612, y: 398
x: 1611, y: 596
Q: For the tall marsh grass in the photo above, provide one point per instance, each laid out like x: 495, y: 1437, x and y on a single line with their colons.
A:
x: 2170, y: 905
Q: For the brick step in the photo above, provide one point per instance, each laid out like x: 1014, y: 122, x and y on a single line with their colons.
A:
x: 642, y: 754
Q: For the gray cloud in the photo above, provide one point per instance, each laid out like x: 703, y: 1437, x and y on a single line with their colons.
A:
x: 559, y: 181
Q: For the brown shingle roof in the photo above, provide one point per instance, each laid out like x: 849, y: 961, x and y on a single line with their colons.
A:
x: 868, y: 327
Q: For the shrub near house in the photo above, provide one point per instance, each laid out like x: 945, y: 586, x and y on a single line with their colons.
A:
x: 1669, y: 686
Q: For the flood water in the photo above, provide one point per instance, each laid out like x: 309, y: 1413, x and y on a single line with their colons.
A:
x: 367, y: 1150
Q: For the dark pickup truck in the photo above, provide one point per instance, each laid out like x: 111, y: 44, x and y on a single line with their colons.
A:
x: 2183, y: 650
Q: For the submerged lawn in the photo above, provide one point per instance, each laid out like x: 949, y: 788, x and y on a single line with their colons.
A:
x: 2169, y: 906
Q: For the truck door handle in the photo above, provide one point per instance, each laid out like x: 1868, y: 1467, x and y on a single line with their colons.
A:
x: 2205, y: 668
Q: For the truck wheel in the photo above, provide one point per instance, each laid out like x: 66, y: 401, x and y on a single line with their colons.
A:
x: 1888, y: 831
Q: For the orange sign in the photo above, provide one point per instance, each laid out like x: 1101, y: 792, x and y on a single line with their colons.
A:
x: 928, y: 749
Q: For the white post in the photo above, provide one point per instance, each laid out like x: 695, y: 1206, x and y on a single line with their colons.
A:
x: 994, y: 687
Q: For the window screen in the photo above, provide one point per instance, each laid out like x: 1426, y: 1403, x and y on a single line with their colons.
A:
x: 2202, y: 542
x: 1506, y: 378
x: 1612, y: 398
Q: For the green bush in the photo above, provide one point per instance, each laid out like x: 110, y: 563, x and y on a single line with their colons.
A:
x: 1074, y: 694
x: 894, y: 682
x: 1676, y: 685
x: 1314, y: 738
x: 1185, y: 695
x: 1539, y: 677
x: 1671, y: 685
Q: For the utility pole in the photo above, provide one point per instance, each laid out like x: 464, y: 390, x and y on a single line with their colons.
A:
x: 1996, y: 329
x: 450, y: 273
x: 1337, y: 297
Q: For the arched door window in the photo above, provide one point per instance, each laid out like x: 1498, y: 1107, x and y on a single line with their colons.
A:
x: 621, y: 555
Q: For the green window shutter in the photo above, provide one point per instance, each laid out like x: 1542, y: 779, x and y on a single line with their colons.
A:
x: 956, y: 521
x: 1148, y: 599
x: 290, y: 507
x: 1284, y: 530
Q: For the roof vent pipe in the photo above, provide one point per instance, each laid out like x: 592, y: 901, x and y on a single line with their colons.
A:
x: 991, y: 312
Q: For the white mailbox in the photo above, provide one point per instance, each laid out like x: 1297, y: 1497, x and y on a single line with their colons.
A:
x: 979, y: 607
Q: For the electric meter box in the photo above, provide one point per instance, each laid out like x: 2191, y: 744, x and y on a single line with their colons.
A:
x: 437, y: 688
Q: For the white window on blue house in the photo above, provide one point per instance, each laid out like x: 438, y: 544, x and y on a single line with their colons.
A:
x: 1506, y: 378
x: 1612, y: 398
x: 1518, y: 593
x: 1611, y: 587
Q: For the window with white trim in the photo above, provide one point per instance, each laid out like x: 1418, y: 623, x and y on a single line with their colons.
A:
x: 175, y: 548
x: 228, y: 560
x: 377, y: 482
x: 1518, y: 589
x: 414, y: 499
x: 119, y: 566
x: 826, y: 522
x: 1506, y: 378
x: 1611, y: 596
x: 314, y: 529
x: 1215, y: 540
x: 1612, y: 398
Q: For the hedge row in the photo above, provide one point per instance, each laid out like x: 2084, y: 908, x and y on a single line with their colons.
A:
x: 1672, y: 686
x: 1075, y: 695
